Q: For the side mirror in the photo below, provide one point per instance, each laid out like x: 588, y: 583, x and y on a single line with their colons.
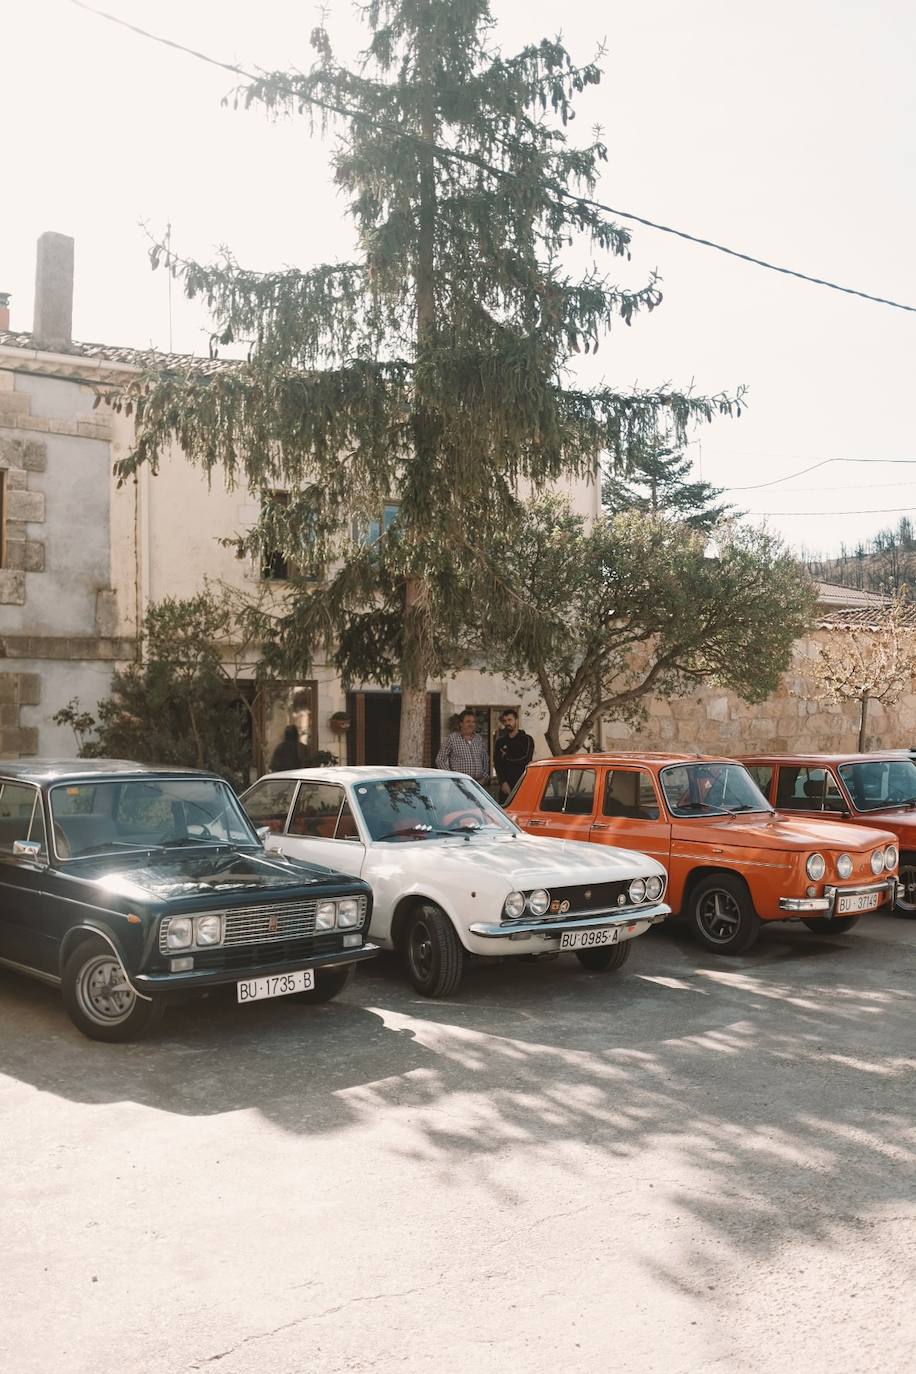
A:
x: 26, y: 849
x: 263, y: 833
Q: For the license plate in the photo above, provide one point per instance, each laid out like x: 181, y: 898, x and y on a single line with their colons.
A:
x: 857, y: 901
x: 276, y: 985
x: 588, y: 939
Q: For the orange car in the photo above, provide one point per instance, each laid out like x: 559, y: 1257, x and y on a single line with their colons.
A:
x: 733, y: 861
x: 864, y: 789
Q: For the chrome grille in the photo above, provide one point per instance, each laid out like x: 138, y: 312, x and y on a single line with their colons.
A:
x: 251, y: 925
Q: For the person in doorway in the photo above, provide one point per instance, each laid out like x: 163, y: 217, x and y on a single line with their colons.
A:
x: 513, y: 750
x: 463, y: 751
x: 288, y: 753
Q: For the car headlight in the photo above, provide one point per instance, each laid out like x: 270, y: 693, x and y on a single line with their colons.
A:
x: 844, y: 866
x: 890, y: 857
x: 637, y: 890
x: 514, y: 905
x: 326, y: 916
x: 877, y: 862
x: 348, y: 912
x: 538, y: 901
x: 654, y: 889
x: 815, y: 867
x: 208, y: 930
x: 180, y: 934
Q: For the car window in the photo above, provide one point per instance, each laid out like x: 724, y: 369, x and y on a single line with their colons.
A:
x: 106, y: 817
x: 629, y: 792
x: 570, y: 791
x: 762, y: 773
x: 428, y: 807
x: 268, y: 803
x: 711, y: 788
x: 880, y: 782
x: 317, y: 809
x: 802, y: 788
x: 21, y: 816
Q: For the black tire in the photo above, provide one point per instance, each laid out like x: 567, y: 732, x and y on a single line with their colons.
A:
x: 721, y: 914
x: 99, y: 1001
x: 328, y: 983
x: 822, y: 925
x: 432, y: 952
x: 906, y: 905
x: 606, y: 958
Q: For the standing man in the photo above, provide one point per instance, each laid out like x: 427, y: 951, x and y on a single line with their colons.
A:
x: 513, y: 750
x: 464, y: 751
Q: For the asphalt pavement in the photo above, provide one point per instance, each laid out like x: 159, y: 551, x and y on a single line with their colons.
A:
x: 695, y: 1166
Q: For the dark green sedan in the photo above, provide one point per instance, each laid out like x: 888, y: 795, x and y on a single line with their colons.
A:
x: 126, y: 885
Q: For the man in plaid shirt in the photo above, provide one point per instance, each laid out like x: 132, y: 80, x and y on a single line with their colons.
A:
x: 464, y: 751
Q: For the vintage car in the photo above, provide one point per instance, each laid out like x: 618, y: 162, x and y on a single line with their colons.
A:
x: 452, y: 876
x: 733, y: 863
x: 125, y: 885
x: 862, y: 789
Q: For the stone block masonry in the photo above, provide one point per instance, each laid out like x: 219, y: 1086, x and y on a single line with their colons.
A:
x: 18, y: 690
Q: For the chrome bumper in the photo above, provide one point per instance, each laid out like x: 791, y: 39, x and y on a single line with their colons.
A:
x: 827, y: 903
x: 506, y: 930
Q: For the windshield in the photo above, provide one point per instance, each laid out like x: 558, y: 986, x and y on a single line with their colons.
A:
x: 427, y: 808
x: 880, y: 783
x: 145, y: 813
x: 704, y: 789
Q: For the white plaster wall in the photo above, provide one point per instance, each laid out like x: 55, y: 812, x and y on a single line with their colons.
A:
x: 60, y: 683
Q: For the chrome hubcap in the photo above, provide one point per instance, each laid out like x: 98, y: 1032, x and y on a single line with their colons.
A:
x: 907, y: 877
x: 103, y: 993
x: 718, y: 916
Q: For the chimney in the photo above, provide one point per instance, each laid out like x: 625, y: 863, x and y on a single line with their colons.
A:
x: 4, y: 310
x: 52, y: 324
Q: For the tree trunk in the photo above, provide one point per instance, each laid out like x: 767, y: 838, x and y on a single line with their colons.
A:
x: 413, y: 727
x: 863, y: 719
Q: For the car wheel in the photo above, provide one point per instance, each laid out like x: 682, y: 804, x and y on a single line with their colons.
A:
x: 608, y: 958
x: 822, y: 925
x: 328, y: 983
x: 99, y: 1000
x: 905, y: 905
x: 432, y: 952
x: 721, y: 914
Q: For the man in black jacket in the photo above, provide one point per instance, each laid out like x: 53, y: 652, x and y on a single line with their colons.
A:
x: 512, y: 752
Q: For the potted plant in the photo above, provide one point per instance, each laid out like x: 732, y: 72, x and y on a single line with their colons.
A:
x: 340, y: 722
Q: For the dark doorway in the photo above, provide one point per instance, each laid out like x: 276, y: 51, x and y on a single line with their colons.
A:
x: 376, y: 717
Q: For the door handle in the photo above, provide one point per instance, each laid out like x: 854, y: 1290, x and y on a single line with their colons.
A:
x: 599, y: 826
x: 537, y: 822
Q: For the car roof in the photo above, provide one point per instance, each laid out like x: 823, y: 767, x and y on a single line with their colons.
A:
x: 361, y: 773
x: 630, y: 756
x: 821, y: 760
x: 75, y: 770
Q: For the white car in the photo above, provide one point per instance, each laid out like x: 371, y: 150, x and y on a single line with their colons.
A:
x: 452, y: 875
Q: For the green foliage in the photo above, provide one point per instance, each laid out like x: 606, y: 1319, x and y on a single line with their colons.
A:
x: 432, y: 368
x: 658, y: 482
x: 598, y: 618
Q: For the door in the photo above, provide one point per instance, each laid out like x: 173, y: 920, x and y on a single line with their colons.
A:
x: 566, y: 806
x: 630, y: 815
x: 809, y: 791
x: 27, y: 936
x: 322, y: 829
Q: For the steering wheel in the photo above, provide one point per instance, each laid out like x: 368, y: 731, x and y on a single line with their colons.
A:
x: 464, y: 820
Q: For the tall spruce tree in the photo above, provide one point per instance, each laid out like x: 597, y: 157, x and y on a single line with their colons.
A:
x: 429, y: 371
x: 658, y: 482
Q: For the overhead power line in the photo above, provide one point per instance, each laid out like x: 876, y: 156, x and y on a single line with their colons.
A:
x: 454, y: 155
x: 825, y: 462
x: 885, y: 510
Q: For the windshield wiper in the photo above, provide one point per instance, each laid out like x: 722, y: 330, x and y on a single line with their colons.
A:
x: 174, y: 841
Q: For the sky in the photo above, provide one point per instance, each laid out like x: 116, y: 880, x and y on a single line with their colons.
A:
x: 787, y: 131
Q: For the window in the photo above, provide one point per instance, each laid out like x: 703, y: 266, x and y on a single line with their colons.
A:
x: 716, y: 789
x: 277, y: 566
x: 570, y: 791
x: 108, y: 817
x: 629, y: 792
x: 376, y: 528
x: 762, y: 773
x: 268, y: 803
x: 808, y: 789
x: 322, y: 812
x: 879, y: 783
x: 21, y: 816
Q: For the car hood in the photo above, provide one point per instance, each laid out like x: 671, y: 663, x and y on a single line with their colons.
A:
x: 527, y: 861
x: 776, y: 830
x: 899, y: 819
x: 238, y: 876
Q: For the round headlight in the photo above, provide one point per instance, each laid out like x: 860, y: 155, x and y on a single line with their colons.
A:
x: 877, y: 862
x: 890, y: 857
x: 180, y: 933
x: 208, y: 930
x: 844, y: 866
x: 815, y: 867
x: 637, y: 890
x: 325, y: 915
x: 538, y: 901
x: 348, y: 912
x: 654, y: 889
x: 514, y: 905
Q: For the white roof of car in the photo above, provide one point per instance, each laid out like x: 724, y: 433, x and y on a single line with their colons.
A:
x: 363, y: 773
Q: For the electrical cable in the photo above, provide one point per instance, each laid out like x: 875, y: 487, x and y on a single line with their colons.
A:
x: 825, y: 462
x: 454, y: 155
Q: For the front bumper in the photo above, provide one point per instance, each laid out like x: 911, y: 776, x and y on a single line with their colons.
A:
x: 552, y: 930
x: 198, y: 980
x: 826, y: 905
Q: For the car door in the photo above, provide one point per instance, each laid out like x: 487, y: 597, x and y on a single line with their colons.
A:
x: 268, y: 803
x: 322, y: 829
x: 566, y: 806
x: 29, y: 935
x: 630, y: 814
x: 811, y: 790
